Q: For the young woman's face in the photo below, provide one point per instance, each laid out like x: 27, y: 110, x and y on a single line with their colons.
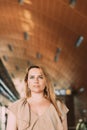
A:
x: 36, y: 80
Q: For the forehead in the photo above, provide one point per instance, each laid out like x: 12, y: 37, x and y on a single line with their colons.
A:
x: 35, y: 71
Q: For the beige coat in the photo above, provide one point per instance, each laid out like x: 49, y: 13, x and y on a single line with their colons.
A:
x: 28, y: 120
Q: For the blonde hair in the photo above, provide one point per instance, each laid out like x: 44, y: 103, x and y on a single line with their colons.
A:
x: 48, y: 91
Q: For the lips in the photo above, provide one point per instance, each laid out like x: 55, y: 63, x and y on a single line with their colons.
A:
x: 36, y: 83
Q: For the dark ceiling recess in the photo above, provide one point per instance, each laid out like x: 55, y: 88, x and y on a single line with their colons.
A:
x: 7, y: 87
x: 21, y: 1
x: 57, y: 54
x: 73, y: 2
x: 10, y: 47
x: 26, y: 36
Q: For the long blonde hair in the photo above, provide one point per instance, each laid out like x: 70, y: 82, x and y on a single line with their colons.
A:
x: 48, y: 91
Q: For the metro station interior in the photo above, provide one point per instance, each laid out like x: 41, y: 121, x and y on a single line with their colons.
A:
x: 52, y: 33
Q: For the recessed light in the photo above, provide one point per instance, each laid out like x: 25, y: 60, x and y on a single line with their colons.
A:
x: 5, y: 58
x: 79, y: 41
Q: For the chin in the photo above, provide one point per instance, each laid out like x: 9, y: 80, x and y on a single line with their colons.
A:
x: 38, y: 91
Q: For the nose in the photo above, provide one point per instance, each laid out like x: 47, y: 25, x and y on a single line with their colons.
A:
x: 36, y: 79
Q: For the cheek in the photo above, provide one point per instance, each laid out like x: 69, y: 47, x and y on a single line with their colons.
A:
x: 44, y: 83
x: 29, y: 82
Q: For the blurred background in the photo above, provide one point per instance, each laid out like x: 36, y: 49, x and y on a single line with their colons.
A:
x: 52, y: 33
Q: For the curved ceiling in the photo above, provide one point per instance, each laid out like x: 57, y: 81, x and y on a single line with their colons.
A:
x: 44, y: 32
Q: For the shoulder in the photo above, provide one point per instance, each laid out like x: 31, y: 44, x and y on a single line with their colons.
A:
x: 62, y: 107
x: 20, y: 101
x: 15, y: 105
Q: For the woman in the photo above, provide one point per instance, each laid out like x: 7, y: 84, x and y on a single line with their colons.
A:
x: 39, y: 110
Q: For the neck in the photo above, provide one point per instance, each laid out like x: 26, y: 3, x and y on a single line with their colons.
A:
x: 37, y: 97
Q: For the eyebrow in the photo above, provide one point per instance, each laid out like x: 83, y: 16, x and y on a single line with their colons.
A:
x: 34, y: 75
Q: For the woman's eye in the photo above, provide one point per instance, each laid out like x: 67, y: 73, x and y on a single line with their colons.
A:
x: 31, y: 77
x: 41, y: 77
